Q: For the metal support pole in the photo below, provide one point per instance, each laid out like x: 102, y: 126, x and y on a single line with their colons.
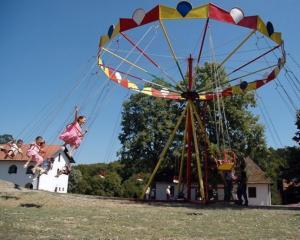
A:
x: 202, y: 129
x: 200, y: 178
x: 189, y: 153
x: 182, y: 156
x: 189, y: 132
x: 163, y: 153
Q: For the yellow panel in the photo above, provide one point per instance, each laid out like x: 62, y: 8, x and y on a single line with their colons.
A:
x: 236, y: 90
x: 132, y: 86
x: 106, y: 71
x: 202, y: 97
x: 276, y: 37
x: 100, y: 62
x: 147, y: 91
x: 251, y: 86
x: 276, y: 71
x: 261, y: 27
x: 171, y: 13
x: 116, y: 31
x: 199, y: 12
x: 168, y: 13
x: 103, y: 40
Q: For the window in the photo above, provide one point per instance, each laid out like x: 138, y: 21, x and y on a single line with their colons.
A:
x: 63, y: 189
x: 12, y: 169
x: 252, y: 192
x: 29, y: 186
x: 29, y: 170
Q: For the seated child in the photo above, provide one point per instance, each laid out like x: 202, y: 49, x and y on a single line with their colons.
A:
x: 36, y: 153
x: 14, y: 149
x: 73, y: 133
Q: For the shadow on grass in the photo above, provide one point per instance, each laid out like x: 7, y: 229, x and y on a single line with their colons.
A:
x: 9, y: 197
x: 31, y: 205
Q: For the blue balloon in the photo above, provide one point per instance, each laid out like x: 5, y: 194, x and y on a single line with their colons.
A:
x: 110, y: 30
x: 270, y: 28
x: 243, y: 85
x: 184, y: 8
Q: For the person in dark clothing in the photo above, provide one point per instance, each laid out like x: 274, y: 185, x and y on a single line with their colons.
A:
x: 242, y: 188
x: 228, y: 185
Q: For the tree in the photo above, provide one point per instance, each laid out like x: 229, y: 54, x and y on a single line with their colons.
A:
x: 147, y: 123
x: 88, y: 179
x: 112, y: 185
x: 133, y: 186
x: 5, y: 138
x: 74, y: 179
x: 297, y: 134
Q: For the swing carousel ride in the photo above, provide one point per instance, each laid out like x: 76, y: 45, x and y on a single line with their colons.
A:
x: 150, y: 52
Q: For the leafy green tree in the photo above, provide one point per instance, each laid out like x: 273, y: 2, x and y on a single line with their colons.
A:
x: 88, y: 179
x: 297, y: 134
x: 133, y: 186
x: 112, y: 185
x: 146, y: 125
x: 74, y: 180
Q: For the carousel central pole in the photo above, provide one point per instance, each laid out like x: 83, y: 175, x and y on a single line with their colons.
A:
x: 190, y: 133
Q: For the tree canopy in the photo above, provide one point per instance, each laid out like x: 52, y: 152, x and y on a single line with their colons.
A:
x: 297, y: 134
x: 5, y: 138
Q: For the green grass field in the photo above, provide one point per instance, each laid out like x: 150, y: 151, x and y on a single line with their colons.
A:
x: 64, y: 216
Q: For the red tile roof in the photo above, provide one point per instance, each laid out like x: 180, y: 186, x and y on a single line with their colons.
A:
x: 50, y: 150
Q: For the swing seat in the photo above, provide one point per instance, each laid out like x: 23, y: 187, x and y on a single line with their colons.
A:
x: 226, y: 166
x: 228, y: 162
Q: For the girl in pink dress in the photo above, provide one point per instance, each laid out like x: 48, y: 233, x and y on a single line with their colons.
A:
x: 73, y: 133
x: 36, y: 153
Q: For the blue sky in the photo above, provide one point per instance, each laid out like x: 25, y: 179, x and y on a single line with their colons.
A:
x: 47, y: 48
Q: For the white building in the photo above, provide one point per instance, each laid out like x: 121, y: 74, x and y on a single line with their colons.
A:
x: 258, y: 187
x: 13, y: 170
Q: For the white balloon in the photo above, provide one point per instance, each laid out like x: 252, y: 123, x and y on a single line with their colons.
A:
x: 118, y: 77
x: 138, y: 15
x: 164, y: 92
x: 237, y: 15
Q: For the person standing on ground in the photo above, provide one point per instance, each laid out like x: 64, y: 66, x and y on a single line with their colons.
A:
x: 227, y: 185
x: 147, y: 193
x: 168, y: 193
x: 242, y: 188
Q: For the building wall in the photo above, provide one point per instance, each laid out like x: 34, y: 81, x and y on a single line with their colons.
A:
x: 263, y: 195
x: 46, y: 182
x: 20, y: 178
x: 51, y: 183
